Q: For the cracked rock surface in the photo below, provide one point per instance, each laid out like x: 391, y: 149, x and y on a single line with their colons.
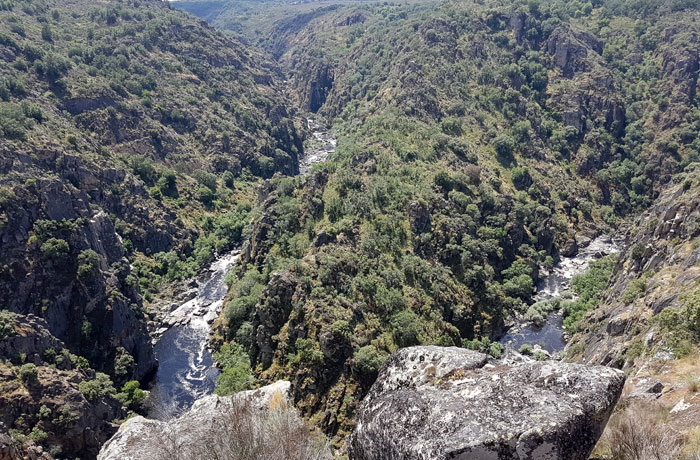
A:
x: 450, y: 403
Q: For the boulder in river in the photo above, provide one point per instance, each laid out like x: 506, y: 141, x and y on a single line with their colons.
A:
x: 432, y: 403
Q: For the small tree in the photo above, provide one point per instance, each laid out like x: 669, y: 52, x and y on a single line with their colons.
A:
x: 46, y: 33
x: 88, y: 262
x: 504, y: 145
x: 227, y: 177
x: 132, y: 396
x: 367, y: 362
x: 7, y: 324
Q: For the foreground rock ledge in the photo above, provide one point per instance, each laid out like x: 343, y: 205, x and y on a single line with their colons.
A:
x: 217, y: 428
x: 433, y: 403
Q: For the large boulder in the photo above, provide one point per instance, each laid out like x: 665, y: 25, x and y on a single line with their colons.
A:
x: 434, y: 403
x: 257, y: 423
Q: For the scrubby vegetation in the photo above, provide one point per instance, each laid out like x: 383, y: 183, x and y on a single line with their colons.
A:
x: 589, y: 288
x: 470, y: 149
x: 245, y: 432
x: 474, y: 140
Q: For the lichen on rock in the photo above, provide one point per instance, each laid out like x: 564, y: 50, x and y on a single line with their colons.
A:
x: 434, y: 403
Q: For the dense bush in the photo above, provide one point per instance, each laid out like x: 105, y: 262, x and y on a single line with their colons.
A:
x: 236, y: 374
x: 7, y: 324
x: 504, y: 146
x: 13, y: 121
x: 589, y: 287
x: 367, y: 362
x: 100, y: 387
x: 28, y: 373
x: 635, y: 289
x: 132, y: 396
x: 88, y: 262
x: 55, y: 249
x: 406, y: 328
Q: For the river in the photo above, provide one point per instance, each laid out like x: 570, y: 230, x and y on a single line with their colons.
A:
x: 321, y: 145
x: 186, y: 369
x: 550, y: 336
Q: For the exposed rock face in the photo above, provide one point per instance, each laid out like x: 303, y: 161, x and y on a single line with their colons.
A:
x: 53, y: 402
x: 447, y: 403
x: 661, y: 255
x: 208, y: 421
x: 49, y: 287
x: 319, y: 88
x: 269, y: 319
x: 570, y: 49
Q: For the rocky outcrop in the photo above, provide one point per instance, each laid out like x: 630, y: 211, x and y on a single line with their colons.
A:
x: 81, y: 309
x: 271, y: 315
x: 570, y: 49
x: 52, y: 402
x: 319, y: 87
x: 210, y: 429
x: 657, y: 269
x: 434, y: 403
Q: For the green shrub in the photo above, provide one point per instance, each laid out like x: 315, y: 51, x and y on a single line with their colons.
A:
x: 46, y: 33
x: 526, y: 349
x: 98, y: 388
x: 635, y: 289
x: 239, y: 310
x: 496, y: 350
x: 143, y: 167
x: 32, y: 111
x: 7, y: 324
x: 13, y: 122
x: 308, y: 352
x: 206, y: 195
x: 206, y: 179
x: 227, y: 178
x: 167, y: 183
x: 244, y: 335
x: 28, y: 373
x: 55, y: 249
x: 538, y: 312
x: 504, y: 145
x: 367, y: 361
x: 405, y: 327
x: 123, y: 364
x: 132, y: 396
x: 637, y: 251
x: 88, y: 262
x: 44, y: 412
x: 341, y: 329
x: 541, y: 356
x: 590, y: 287
x: 521, y: 178
x: 38, y: 435
x: 52, y: 66
x: 236, y: 374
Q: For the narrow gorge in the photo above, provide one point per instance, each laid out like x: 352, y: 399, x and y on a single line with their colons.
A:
x: 352, y: 230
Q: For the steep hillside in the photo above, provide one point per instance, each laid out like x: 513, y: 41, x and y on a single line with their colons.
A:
x: 647, y: 324
x: 649, y: 309
x: 476, y: 140
x: 131, y: 135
